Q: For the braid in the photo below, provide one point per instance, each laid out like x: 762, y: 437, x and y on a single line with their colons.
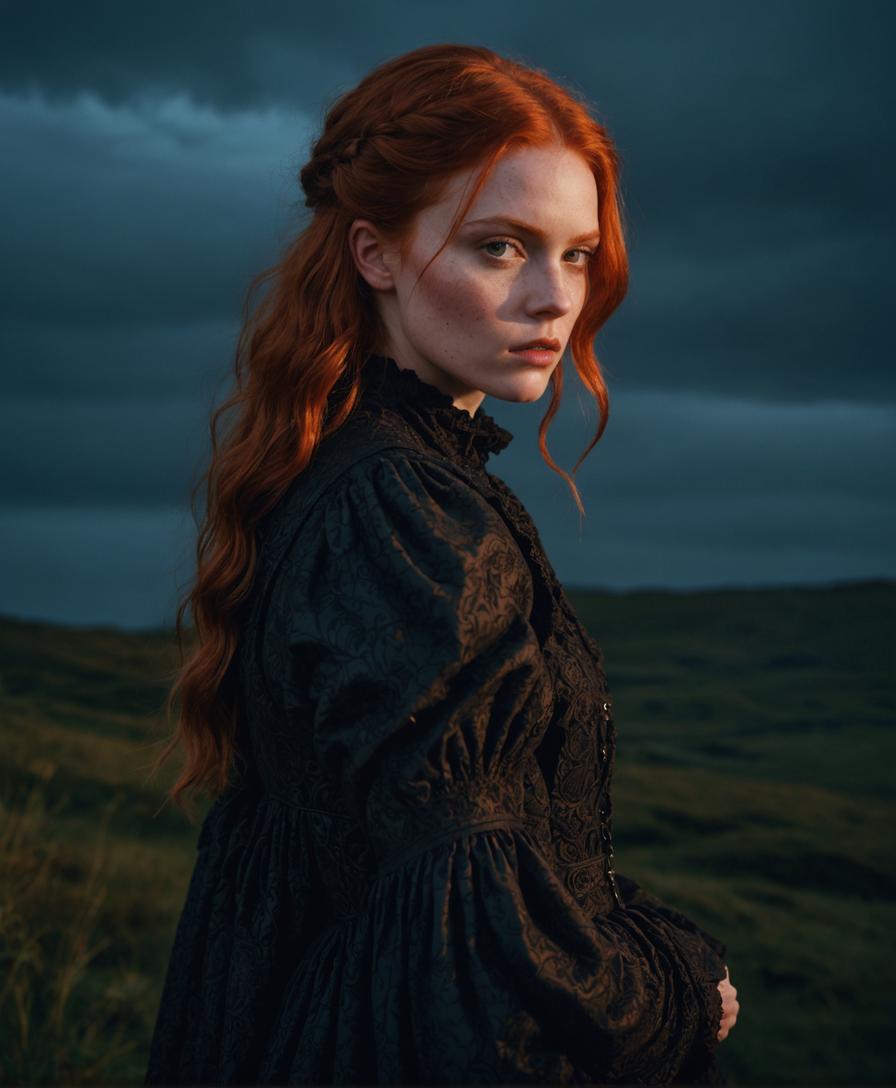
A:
x: 316, y: 176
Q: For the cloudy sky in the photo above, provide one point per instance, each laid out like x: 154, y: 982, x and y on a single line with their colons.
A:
x: 151, y: 154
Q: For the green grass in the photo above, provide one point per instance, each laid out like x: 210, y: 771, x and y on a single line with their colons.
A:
x: 91, y: 881
x: 752, y: 791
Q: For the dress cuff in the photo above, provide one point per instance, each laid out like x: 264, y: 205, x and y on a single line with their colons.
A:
x: 708, y: 970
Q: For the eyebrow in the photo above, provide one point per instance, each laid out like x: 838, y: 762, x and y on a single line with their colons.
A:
x: 526, y: 228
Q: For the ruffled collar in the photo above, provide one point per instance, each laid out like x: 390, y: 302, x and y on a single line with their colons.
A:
x: 467, y: 440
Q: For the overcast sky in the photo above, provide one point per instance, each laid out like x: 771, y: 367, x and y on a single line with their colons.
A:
x: 151, y: 154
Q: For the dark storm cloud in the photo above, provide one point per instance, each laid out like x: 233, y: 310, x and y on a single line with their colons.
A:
x: 232, y: 56
x: 658, y: 449
x: 681, y: 491
x: 151, y: 155
x: 104, y: 453
x: 755, y: 177
x: 686, y: 489
x: 153, y: 211
x: 84, y: 565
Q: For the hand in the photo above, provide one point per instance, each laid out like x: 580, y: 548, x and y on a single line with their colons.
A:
x: 730, y: 1006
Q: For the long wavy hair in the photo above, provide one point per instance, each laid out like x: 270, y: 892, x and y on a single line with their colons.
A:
x: 387, y: 149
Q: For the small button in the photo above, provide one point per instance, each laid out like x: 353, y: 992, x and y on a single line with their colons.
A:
x: 606, y: 706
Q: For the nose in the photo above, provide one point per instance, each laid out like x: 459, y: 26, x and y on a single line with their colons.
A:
x: 549, y: 291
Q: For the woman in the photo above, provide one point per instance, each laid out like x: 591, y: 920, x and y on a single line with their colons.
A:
x: 407, y: 875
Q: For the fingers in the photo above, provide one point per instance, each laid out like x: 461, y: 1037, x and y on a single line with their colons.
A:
x: 726, y: 1026
x: 730, y: 1007
x: 729, y: 1019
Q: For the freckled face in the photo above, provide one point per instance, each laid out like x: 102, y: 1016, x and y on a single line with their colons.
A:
x: 495, y: 286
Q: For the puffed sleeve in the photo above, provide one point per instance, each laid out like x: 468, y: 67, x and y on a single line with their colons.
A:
x: 409, y: 626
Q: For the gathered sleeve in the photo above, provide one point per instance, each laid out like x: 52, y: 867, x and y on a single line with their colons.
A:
x: 636, y: 896
x: 409, y: 629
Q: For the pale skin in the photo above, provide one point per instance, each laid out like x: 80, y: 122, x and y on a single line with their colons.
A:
x: 493, y: 287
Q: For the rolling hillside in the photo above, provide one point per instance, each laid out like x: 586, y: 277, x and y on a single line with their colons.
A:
x: 753, y: 790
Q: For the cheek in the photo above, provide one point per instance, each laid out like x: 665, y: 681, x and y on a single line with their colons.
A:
x: 453, y: 294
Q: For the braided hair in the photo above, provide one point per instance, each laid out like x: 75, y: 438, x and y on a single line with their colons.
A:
x: 387, y: 149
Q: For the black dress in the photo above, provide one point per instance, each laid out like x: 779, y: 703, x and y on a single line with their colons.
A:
x: 412, y: 879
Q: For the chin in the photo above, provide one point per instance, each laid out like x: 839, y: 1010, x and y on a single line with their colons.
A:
x: 522, y: 396
x: 535, y: 385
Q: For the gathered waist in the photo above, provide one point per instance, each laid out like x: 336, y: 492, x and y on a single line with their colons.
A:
x: 590, y: 880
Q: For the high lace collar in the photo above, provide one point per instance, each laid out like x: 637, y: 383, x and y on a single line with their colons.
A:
x: 465, y: 439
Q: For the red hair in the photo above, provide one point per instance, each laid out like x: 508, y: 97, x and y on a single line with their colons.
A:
x: 386, y: 151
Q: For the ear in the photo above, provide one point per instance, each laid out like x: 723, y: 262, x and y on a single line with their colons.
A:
x: 374, y: 258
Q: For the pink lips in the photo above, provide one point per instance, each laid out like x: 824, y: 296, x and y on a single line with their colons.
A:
x: 536, y: 356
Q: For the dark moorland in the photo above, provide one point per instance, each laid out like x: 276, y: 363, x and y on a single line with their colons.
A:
x: 753, y: 790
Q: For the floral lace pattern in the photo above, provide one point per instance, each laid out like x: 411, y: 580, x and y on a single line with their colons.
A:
x: 412, y: 880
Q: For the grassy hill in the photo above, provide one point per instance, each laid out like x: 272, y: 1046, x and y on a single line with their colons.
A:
x: 752, y: 790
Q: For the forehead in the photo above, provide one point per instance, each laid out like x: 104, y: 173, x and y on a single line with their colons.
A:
x: 552, y: 187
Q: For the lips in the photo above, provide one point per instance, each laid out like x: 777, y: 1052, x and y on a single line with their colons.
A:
x: 545, y: 344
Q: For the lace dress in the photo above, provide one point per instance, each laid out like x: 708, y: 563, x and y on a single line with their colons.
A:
x: 411, y: 879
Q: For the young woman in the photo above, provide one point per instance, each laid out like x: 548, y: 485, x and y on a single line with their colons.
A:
x: 407, y: 873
